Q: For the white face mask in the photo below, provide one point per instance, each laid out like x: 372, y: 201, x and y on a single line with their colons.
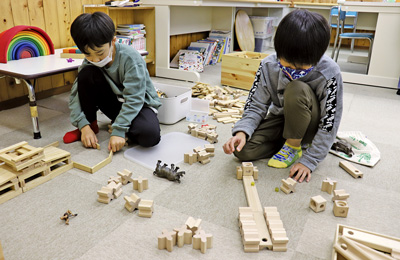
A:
x: 104, y: 61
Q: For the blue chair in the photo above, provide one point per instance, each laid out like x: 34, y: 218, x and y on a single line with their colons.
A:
x: 333, y: 22
x: 353, y: 35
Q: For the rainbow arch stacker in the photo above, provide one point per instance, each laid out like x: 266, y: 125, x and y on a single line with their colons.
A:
x: 23, y: 41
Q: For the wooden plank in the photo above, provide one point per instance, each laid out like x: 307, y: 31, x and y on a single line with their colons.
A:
x: 82, y: 167
x: 64, y: 22
x: 20, y: 12
x: 376, y: 241
x: 355, y: 251
x: 36, y: 14
x: 51, y: 18
x: 251, y: 193
x: 53, y: 154
x: 102, y: 163
x: 13, y: 147
x: 351, y: 169
x: 75, y: 7
x: 1, y: 252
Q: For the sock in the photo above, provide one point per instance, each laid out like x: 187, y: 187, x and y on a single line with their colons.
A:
x: 75, y: 135
x: 286, y: 156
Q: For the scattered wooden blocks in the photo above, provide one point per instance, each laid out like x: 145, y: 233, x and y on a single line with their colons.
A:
x: 200, y: 154
x: 340, y: 208
x: 288, y: 185
x: 126, y: 176
x: 353, y: 171
x: 205, y: 132
x: 202, y: 241
x: 167, y: 240
x: 340, y: 195
x: 246, y: 169
x: 184, y: 235
x: 146, y: 208
x: 132, y: 202
x: 328, y: 185
x: 140, y: 184
x: 193, y: 224
x: 318, y: 203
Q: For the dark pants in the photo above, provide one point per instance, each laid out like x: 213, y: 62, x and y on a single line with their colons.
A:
x: 95, y: 93
x: 300, y: 121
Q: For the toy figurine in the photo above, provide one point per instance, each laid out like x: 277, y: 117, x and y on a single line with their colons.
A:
x: 343, y: 146
x: 67, y: 215
x: 171, y: 174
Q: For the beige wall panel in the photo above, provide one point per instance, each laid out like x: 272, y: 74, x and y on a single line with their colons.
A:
x: 64, y: 23
x: 36, y: 14
x: 20, y: 12
x: 7, y: 19
x: 51, y: 19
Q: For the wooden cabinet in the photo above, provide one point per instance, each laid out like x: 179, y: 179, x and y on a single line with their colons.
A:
x: 133, y: 15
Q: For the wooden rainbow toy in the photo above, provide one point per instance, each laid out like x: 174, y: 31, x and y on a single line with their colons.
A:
x: 22, y: 42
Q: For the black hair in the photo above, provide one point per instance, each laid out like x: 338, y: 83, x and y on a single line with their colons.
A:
x: 302, y: 37
x: 92, y: 30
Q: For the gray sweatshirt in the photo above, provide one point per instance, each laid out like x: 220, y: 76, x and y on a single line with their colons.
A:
x: 266, y: 95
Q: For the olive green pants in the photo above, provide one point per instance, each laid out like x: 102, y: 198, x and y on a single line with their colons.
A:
x: 300, y: 121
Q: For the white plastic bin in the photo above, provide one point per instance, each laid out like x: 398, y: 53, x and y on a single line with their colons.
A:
x: 263, y: 44
x: 263, y: 26
x: 176, y: 105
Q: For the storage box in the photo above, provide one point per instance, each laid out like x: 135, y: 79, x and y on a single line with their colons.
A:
x: 176, y: 105
x: 239, y: 69
x: 262, y: 44
x: 199, y: 109
x: 263, y: 26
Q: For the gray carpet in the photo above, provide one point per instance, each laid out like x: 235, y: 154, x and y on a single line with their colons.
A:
x: 30, y: 227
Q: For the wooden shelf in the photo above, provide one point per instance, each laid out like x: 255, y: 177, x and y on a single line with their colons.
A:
x: 133, y: 15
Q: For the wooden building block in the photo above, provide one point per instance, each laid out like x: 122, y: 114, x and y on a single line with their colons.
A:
x: 146, y: 208
x: 116, y: 179
x: 140, y: 184
x: 21, y: 155
x: 247, y: 168
x: 105, y: 195
x: 328, y: 185
x: 203, y: 155
x: 132, y: 202
x: 1, y: 252
x: 116, y: 189
x: 34, y: 178
x: 205, y: 161
x: 126, y: 176
x: 318, y: 203
x: 210, y: 148
x: 9, y: 185
x: 198, y: 149
x: 183, y: 235
x: 190, y: 158
x: 96, y: 167
x: 239, y: 172
x: 288, y: 185
x: 202, y: 241
x: 340, y: 195
x: 340, y: 208
x: 193, y: 224
x: 356, y: 251
x: 167, y: 240
x: 353, y: 171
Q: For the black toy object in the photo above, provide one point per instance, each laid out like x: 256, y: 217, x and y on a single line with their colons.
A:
x: 342, y: 146
x: 171, y: 174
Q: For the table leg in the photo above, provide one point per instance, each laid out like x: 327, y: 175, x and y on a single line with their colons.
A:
x: 33, y: 108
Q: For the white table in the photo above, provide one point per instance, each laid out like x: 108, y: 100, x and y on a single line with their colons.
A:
x: 31, y: 68
x: 384, y: 68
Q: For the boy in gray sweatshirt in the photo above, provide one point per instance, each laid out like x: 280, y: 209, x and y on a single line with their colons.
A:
x: 296, y: 100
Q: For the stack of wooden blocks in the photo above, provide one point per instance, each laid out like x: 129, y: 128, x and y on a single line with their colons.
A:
x: 200, y: 154
x: 225, y: 105
x: 276, y: 229
x: 190, y: 233
x: 111, y: 191
x: 248, y: 230
x: 25, y: 167
x: 205, y: 132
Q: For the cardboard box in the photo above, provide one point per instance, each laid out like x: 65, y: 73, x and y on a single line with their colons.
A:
x: 176, y: 105
x: 239, y: 69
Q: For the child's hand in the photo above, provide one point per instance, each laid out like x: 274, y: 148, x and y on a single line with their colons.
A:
x: 301, y: 172
x: 238, y: 141
x: 116, y: 143
x: 88, y: 137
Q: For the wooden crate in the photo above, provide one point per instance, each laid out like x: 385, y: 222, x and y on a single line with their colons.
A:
x: 21, y: 155
x: 9, y: 186
x: 239, y: 69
